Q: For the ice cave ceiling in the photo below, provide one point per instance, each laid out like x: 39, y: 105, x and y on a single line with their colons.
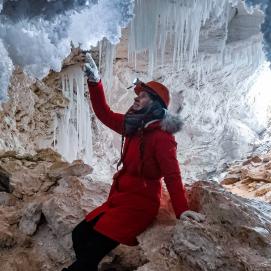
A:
x: 209, y: 52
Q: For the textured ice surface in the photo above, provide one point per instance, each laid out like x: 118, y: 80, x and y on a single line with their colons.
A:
x: 36, y: 34
x: 265, y: 6
x: 158, y: 21
x: 186, y: 28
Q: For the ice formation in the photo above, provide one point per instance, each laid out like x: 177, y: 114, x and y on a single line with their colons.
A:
x: 36, y: 34
x: 210, y: 73
x: 73, y: 136
x: 265, y: 6
x: 161, y: 26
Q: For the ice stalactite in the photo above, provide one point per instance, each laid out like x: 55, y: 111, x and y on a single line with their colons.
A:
x: 73, y: 135
x: 176, y: 32
x: 164, y: 25
x: 107, y: 52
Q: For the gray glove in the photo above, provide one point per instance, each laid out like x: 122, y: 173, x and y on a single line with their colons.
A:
x: 90, y: 69
x: 192, y: 215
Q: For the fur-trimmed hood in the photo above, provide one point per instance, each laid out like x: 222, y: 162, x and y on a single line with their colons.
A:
x: 171, y: 123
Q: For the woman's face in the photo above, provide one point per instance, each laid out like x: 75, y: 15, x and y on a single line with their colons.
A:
x: 141, y: 101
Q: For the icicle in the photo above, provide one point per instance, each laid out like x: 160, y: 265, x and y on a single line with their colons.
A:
x: 107, y: 53
x: 159, y: 24
x: 73, y: 137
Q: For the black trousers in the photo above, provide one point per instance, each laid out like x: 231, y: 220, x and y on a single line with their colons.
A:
x: 90, y: 246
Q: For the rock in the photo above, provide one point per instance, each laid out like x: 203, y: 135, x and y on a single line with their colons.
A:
x: 30, y: 218
x: 7, y: 199
x: 64, y: 169
x: 123, y: 258
x: 235, y: 235
x: 7, y: 238
x: 23, y: 261
x: 263, y: 189
x: 268, y: 165
x: 72, y: 199
x: 28, y: 175
x: 48, y: 155
x: 58, y: 100
x: 4, y: 180
x: 254, y: 159
x: 73, y: 58
x: 231, y: 179
x: 235, y: 169
x: 26, y: 182
x: 258, y: 175
x: 12, y: 214
x: 266, y: 159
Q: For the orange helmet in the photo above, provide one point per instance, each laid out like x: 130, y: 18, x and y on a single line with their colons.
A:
x: 155, y: 88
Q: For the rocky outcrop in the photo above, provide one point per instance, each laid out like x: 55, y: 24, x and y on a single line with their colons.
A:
x: 27, y: 119
x: 46, y: 199
x: 235, y: 235
x: 39, y: 212
x: 49, y: 196
x: 250, y: 178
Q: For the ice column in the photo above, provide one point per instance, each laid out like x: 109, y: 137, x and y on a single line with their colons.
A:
x: 73, y: 136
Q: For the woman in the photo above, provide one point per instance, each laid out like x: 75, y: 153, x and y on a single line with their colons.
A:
x: 148, y: 153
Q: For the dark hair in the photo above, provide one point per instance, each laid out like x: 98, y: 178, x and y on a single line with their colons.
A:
x: 155, y: 97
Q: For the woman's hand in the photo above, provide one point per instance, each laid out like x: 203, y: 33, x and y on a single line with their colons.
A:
x: 90, y: 69
x: 192, y: 215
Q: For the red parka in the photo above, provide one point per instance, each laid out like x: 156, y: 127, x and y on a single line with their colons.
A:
x: 134, y: 198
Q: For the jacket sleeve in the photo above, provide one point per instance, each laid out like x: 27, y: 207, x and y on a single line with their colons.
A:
x: 114, y: 121
x: 166, y: 156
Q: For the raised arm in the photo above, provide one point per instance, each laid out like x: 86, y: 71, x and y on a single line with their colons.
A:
x: 114, y: 121
x: 166, y: 147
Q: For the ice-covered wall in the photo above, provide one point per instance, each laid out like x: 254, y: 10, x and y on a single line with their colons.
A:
x: 207, y: 66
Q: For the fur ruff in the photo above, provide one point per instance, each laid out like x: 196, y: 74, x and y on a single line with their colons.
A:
x: 171, y: 123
